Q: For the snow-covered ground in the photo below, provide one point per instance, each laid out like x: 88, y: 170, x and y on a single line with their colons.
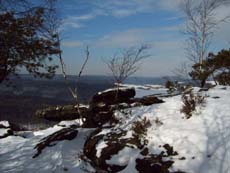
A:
x: 16, y: 153
x: 202, y: 141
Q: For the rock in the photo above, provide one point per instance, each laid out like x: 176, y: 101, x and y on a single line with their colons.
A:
x: 5, y: 129
x: 63, y: 134
x: 169, y: 150
x: 102, y: 118
x: 5, y: 132
x: 113, y: 96
x: 157, y: 163
x: 149, y: 100
x: 8, y: 129
x: 17, y: 127
x: 90, y: 144
x: 144, y: 152
x: 101, y: 108
x: 4, y: 124
x: 61, y: 113
x: 153, y: 163
x: 103, y: 105
x: 114, y: 145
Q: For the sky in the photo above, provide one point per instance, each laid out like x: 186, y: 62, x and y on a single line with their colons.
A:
x: 110, y: 26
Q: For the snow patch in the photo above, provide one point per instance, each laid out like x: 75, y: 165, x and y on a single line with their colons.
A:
x: 5, y: 123
x: 102, y: 144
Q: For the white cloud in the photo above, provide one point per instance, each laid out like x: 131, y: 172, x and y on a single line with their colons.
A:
x: 83, y: 17
x: 122, y: 12
x: 122, y: 39
x: 72, y: 24
x: 170, y: 5
x: 121, y: 8
x: 72, y: 44
x: 137, y: 36
x: 117, y: 8
x: 78, y: 21
x: 168, y: 45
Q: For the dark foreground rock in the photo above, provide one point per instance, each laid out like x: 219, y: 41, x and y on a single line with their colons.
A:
x: 146, y: 101
x: 61, y: 113
x: 114, y: 145
x: 157, y: 163
x: 154, y: 164
x: 103, y: 104
x: 51, y: 140
x: 115, y: 141
x: 16, y: 127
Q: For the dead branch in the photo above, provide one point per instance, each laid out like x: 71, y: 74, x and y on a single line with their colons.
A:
x: 127, y: 63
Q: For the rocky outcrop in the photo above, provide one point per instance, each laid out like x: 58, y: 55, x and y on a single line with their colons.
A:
x: 51, y: 140
x: 61, y: 113
x: 114, y: 145
x: 5, y: 132
x: 113, y: 96
x: 159, y: 163
x: 16, y: 127
x: 101, y: 107
x: 146, y: 101
x: 115, y: 142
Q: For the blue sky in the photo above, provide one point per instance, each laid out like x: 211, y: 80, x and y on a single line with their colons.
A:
x: 109, y: 26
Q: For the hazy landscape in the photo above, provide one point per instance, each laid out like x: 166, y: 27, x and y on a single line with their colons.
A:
x: 19, y: 102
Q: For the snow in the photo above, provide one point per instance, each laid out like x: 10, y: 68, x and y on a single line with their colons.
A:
x: 5, y: 123
x: 145, y: 90
x: 204, y: 134
x: 17, y: 156
x: 111, y: 89
x: 203, y: 139
x: 48, y: 131
x: 124, y: 157
x: 77, y: 122
x: 145, y: 87
x: 99, y: 147
x: 141, y: 90
x: 4, y: 128
x: 3, y: 132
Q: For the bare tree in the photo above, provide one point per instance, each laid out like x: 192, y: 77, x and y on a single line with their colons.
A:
x: 182, y: 72
x: 126, y: 64
x: 53, y: 27
x: 201, y: 25
x: 74, y: 91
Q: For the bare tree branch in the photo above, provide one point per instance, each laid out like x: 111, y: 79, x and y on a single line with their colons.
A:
x: 127, y: 63
x: 80, y: 73
x: 201, y: 25
x: 74, y: 92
